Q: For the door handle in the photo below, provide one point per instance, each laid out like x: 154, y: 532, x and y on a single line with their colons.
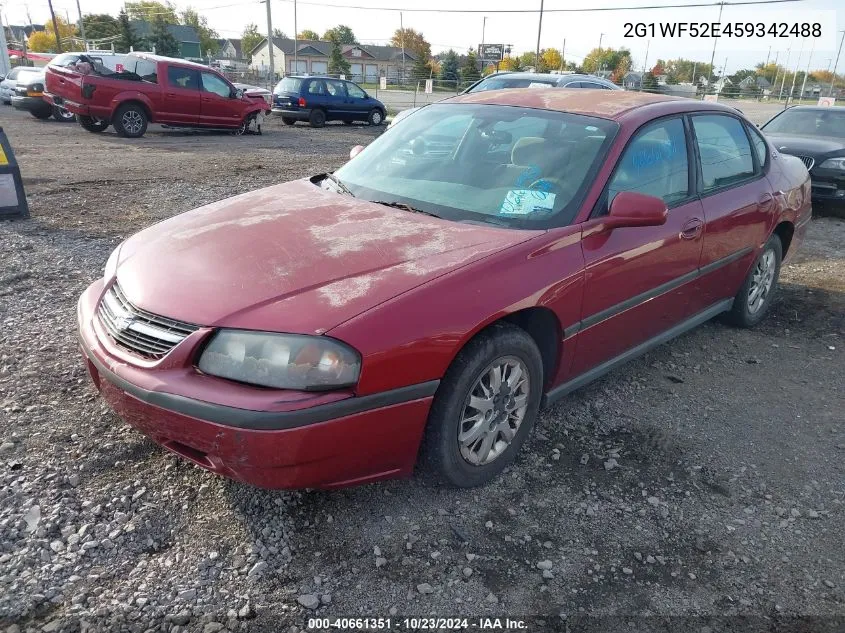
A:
x: 765, y: 201
x: 691, y: 229
x: 170, y: 94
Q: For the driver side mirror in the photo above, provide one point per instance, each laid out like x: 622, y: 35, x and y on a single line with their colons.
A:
x: 238, y: 94
x: 355, y: 151
x: 630, y: 208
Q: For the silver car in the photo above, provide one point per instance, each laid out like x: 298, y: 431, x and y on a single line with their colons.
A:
x: 7, y: 86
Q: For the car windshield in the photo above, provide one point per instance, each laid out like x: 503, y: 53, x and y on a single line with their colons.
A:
x: 510, y: 81
x: 288, y: 84
x: 503, y: 165
x: 822, y: 122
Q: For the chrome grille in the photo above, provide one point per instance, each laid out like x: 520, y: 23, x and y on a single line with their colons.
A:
x: 138, y: 331
x: 808, y: 161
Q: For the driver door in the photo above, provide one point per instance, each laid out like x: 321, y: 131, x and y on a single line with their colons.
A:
x: 219, y: 107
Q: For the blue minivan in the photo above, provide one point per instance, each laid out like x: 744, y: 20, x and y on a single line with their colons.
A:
x: 321, y: 99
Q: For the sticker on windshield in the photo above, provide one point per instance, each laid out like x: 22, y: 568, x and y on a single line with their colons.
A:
x: 526, y: 202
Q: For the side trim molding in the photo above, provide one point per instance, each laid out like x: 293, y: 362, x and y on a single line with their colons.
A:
x: 600, y: 370
x: 265, y: 420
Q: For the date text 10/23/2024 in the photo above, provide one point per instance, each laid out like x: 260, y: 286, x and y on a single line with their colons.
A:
x: 416, y: 624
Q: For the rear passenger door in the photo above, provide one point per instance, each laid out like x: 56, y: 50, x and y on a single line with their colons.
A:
x: 180, y: 103
x: 738, y: 204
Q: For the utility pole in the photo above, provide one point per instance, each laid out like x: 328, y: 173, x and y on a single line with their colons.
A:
x: 836, y: 65
x: 402, y: 31
x: 775, y: 80
x: 713, y: 54
x: 483, y: 41
x: 81, y: 26
x: 55, y: 26
x: 795, y: 74
x: 295, y: 42
x: 645, y: 63
x: 270, y: 42
x: 601, y: 37
x: 807, y: 72
x: 539, y: 30
x: 562, y: 50
x: 785, y: 70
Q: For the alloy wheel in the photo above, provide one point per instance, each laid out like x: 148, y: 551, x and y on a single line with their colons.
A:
x: 494, y: 410
x: 132, y: 121
x: 762, y: 279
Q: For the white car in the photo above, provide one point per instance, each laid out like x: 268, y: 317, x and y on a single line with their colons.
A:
x: 7, y: 86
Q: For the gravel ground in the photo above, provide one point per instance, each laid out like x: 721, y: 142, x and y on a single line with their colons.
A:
x: 705, y: 480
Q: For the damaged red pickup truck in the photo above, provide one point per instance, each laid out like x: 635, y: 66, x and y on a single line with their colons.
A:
x: 151, y: 89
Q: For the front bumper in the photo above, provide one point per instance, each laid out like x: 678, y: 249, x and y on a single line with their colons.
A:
x: 30, y: 104
x: 333, y: 443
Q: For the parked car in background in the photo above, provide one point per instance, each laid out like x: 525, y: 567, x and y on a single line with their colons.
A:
x: 255, y: 92
x: 10, y: 81
x: 490, y: 255
x: 816, y: 135
x: 507, y: 79
x: 29, y: 96
x: 321, y: 99
x: 151, y: 89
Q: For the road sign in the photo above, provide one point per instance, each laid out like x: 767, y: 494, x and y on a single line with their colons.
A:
x: 12, y: 197
x: 491, y: 52
x: 827, y: 101
x: 429, y: 86
x: 382, y: 83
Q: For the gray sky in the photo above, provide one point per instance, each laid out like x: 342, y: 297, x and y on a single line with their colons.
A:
x: 462, y: 30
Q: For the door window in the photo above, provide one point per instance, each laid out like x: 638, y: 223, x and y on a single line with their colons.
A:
x: 759, y: 146
x: 147, y: 71
x: 355, y: 92
x: 592, y: 85
x: 214, y: 84
x: 724, y: 150
x: 654, y: 163
x: 316, y: 88
x: 335, y: 88
x: 183, y: 78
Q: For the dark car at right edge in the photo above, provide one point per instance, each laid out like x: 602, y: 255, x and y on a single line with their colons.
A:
x: 816, y: 135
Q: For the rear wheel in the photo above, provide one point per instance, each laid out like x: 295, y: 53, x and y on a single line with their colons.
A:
x: 41, y: 114
x: 317, y: 118
x: 92, y: 123
x: 376, y: 117
x: 130, y: 120
x: 288, y: 121
x: 757, y: 292
x: 485, y: 407
x: 60, y: 114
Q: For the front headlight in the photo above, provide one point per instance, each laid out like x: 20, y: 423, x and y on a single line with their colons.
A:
x: 283, y: 361
x: 111, y: 265
x: 833, y: 163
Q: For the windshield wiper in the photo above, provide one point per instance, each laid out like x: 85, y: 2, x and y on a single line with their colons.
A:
x: 405, y: 207
x: 339, y: 185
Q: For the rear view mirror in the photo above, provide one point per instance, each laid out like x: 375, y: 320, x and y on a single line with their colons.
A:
x: 355, y: 151
x: 630, y: 208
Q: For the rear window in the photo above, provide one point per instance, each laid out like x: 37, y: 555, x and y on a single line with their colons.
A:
x: 288, y: 84
x: 514, y: 82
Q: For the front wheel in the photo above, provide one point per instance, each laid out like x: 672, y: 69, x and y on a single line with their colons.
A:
x: 60, y: 114
x: 376, y: 117
x: 485, y: 407
x: 92, y: 123
x: 130, y: 121
x: 288, y: 120
x: 758, y: 290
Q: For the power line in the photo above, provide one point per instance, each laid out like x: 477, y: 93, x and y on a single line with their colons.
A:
x: 588, y: 10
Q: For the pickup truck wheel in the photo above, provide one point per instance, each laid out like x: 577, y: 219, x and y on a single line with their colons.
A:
x: 41, y: 114
x: 288, y: 121
x: 92, y: 123
x: 376, y: 117
x: 243, y: 128
x: 60, y: 114
x: 317, y: 118
x: 130, y: 121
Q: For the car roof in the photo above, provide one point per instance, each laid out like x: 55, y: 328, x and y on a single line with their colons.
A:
x: 170, y: 60
x: 315, y: 77
x: 809, y: 108
x: 606, y: 104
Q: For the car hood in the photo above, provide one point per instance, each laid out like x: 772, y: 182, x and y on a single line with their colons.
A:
x: 805, y: 145
x: 293, y: 258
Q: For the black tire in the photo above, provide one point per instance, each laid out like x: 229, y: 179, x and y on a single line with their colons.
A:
x: 92, y: 124
x: 376, y: 117
x: 288, y: 121
x: 243, y: 128
x: 317, y: 118
x: 43, y: 115
x: 62, y: 115
x: 442, y: 456
x: 744, y: 314
x: 130, y: 120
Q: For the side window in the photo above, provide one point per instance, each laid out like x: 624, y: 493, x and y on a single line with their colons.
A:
x: 214, y: 84
x: 759, y: 145
x: 335, y: 88
x: 146, y: 70
x: 724, y: 150
x: 179, y: 77
x: 591, y: 85
x: 654, y: 163
x: 316, y: 88
x: 355, y: 92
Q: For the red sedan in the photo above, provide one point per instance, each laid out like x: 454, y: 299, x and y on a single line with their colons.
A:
x: 483, y: 259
